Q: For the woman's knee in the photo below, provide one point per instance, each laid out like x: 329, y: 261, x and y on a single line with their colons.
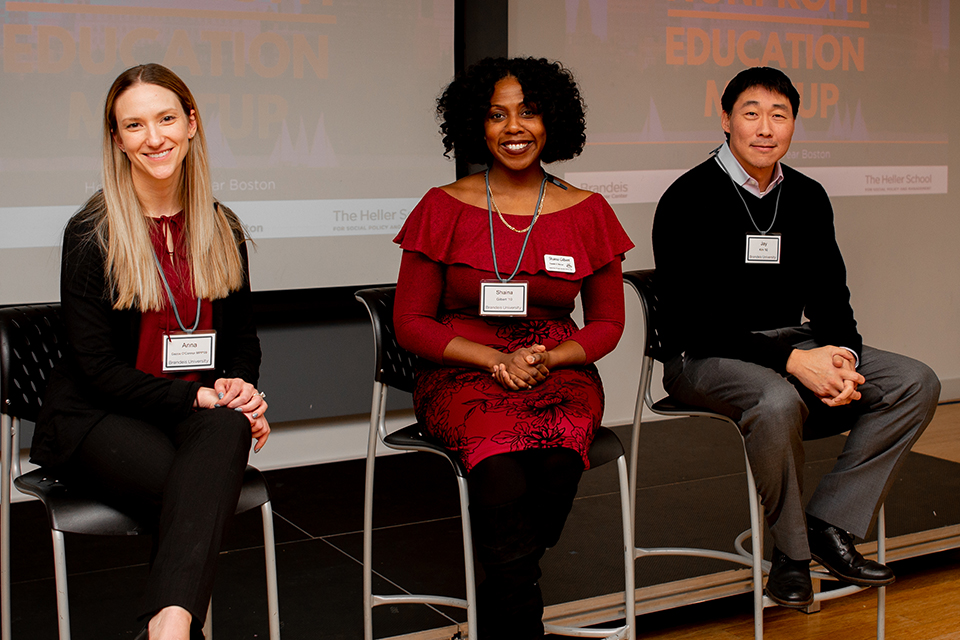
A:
x: 124, y: 457
x: 561, y: 469
x: 225, y: 428
x: 497, y: 479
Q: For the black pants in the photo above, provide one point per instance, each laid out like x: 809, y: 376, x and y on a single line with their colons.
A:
x: 184, y: 480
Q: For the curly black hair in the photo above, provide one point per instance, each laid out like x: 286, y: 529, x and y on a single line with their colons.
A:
x: 547, y: 86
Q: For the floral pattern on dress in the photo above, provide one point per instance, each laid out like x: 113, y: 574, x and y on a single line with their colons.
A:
x: 554, y: 407
x: 526, y: 435
x: 471, y: 413
x: 526, y: 334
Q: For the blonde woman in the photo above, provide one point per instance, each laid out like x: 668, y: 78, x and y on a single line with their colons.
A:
x: 153, y: 266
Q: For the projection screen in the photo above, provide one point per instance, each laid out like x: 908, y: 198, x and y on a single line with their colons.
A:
x: 319, y: 116
x: 872, y: 76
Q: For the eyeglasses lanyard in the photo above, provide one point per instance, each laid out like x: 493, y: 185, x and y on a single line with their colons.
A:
x: 776, y: 205
x: 493, y: 248
x: 173, y: 302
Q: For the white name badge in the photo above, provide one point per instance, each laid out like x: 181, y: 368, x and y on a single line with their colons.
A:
x: 763, y: 249
x: 503, y: 298
x: 189, y: 351
x: 560, y: 264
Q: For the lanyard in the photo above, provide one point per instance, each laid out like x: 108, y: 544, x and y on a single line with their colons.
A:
x: 776, y: 205
x: 173, y: 302
x: 493, y: 248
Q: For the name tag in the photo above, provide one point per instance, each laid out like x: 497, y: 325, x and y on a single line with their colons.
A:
x: 763, y: 249
x: 189, y: 351
x: 560, y: 264
x: 503, y: 298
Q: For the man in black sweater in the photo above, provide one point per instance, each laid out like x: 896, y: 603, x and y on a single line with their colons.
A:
x: 757, y: 312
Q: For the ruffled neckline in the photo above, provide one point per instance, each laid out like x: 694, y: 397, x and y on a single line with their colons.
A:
x: 516, y: 215
x: 450, y: 231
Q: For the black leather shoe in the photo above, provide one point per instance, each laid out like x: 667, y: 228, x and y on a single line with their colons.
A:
x: 834, y: 549
x: 789, y: 582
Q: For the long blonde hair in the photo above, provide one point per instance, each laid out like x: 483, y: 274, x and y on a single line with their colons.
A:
x: 212, y: 232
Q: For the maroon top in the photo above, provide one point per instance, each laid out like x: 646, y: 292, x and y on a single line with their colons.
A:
x: 156, y: 324
x: 447, y: 253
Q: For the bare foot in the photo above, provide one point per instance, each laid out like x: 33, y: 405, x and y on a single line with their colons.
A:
x: 170, y: 623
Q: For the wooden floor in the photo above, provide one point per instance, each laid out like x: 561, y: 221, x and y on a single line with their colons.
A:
x: 924, y: 603
x: 942, y: 437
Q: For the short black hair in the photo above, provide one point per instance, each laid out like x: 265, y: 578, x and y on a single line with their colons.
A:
x: 767, y: 77
x: 547, y: 86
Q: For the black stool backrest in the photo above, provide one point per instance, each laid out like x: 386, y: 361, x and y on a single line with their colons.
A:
x: 644, y: 281
x: 32, y: 341
x: 396, y: 367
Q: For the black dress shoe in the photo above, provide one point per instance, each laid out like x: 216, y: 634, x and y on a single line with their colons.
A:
x: 834, y: 549
x: 789, y: 582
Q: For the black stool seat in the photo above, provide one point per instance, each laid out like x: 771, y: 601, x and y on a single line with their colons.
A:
x: 606, y: 447
x: 415, y: 438
x: 70, y: 511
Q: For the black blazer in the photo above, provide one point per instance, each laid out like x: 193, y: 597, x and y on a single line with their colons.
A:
x: 98, y: 375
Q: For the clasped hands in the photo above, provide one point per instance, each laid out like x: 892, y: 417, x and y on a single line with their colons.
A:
x: 239, y: 395
x: 522, y: 369
x: 829, y: 372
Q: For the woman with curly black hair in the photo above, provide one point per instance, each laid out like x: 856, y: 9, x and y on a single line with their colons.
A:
x: 491, y: 267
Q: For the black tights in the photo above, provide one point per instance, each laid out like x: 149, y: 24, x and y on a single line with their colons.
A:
x: 546, y: 479
x: 508, y: 476
x: 519, y: 502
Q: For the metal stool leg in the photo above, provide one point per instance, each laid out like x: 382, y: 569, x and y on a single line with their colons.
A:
x: 882, y: 559
x: 63, y: 597
x: 471, y: 582
x: 208, y: 622
x: 270, y: 557
x: 756, y: 541
x: 6, y: 453
x: 379, y: 406
x: 629, y: 566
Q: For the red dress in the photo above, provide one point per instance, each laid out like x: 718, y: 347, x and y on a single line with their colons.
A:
x: 446, y: 254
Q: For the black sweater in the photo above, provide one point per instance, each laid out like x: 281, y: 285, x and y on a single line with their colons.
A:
x: 712, y: 301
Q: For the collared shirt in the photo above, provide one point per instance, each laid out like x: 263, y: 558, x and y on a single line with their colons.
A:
x: 736, y: 171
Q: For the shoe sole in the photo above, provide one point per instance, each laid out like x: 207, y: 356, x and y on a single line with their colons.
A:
x: 789, y: 604
x: 859, y: 582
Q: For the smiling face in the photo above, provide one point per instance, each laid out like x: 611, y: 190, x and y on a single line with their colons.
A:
x: 514, y: 130
x: 154, y: 133
x: 761, y: 126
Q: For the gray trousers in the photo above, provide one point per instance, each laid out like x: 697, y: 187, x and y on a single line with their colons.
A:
x: 776, y: 413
